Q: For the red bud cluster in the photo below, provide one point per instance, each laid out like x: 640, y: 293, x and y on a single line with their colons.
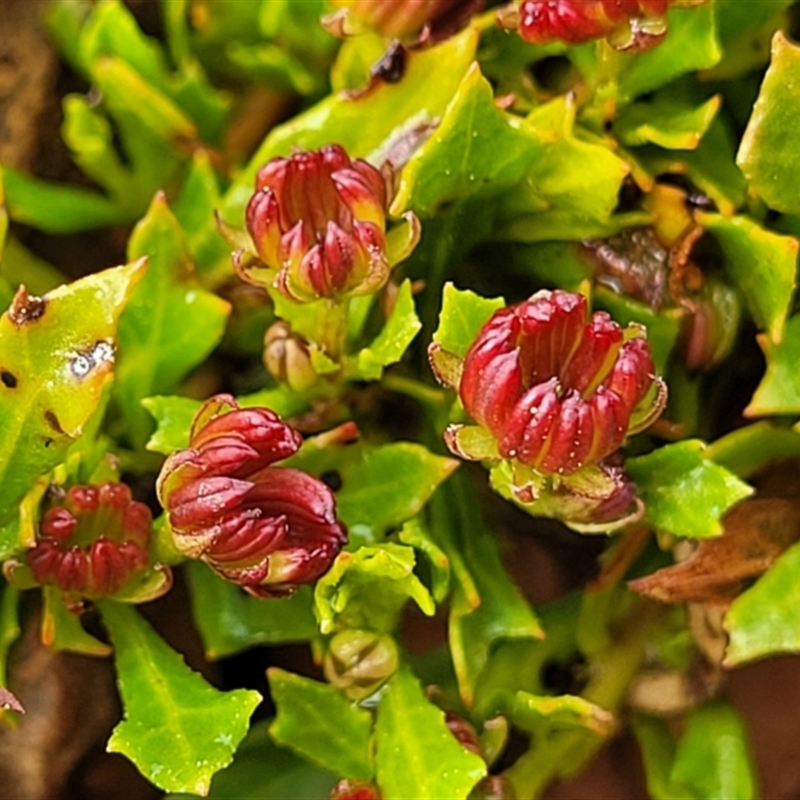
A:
x: 91, y: 545
x: 266, y: 528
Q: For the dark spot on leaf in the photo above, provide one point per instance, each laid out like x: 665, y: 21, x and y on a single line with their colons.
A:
x: 9, y: 379
x: 52, y: 420
x: 26, y: 308
x: 332, y: 479
x: 392, y: 65
x: 48, y: 442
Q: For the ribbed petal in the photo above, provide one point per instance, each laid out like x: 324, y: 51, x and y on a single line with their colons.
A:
x: 197, y: 504
x: 262, y: 218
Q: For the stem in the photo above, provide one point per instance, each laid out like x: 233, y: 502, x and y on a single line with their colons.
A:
x: 331, y: 330
x: 562, y: 753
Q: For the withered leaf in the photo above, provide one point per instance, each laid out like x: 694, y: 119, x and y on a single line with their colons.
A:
x: 755, y: 533
x: 8, y: 701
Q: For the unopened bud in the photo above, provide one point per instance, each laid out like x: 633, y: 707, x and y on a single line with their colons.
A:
x: 359, y: 662
x: 287, y: 358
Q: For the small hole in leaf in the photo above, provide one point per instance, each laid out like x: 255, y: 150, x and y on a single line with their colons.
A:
x: 9, y: 379
x: 332, y: 479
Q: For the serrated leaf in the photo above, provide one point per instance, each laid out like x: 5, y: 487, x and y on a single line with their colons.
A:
x: 416, y: 754
x: 690, y: 45
x: 230, y: 621
x: 462, y: 316
x: 684, y: 493
x: 763, y: 265
x: 572, y: 188
x: 713, y: 757
x: 316, y: 720
x: 476, y: 149
x: 56, y: 355
x: 767, y: 153
x: 367, y: 588
x: 381, y: 487
x: 170, y: 324
x: 176, y: 728
x: 363, y: 123
x: 263, y: 771
x: 666, y: 121
x: 765, y: 620
x: 779, y: 390
x: 390, y: 344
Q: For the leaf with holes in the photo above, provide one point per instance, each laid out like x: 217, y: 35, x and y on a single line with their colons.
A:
x: 56, y: 355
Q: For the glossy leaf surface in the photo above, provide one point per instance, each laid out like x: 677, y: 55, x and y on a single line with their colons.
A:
x: 416, y: 755
x: 177, y: 729
x: 685, y: 493
x: 319, y: 722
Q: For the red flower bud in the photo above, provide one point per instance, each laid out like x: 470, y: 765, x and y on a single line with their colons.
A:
x: 556, y: 392
x: 630, y: 24
x: 266, y: 528
x: 93, y: 544
x: 318, y: 224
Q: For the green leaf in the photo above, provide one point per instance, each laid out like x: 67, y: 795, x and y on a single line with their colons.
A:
x: 539, y: 714
x: 369, y: 587
x: 390, y: 344
x: 230, y: 621
x: 194, y: 209
x: 57, y: 208
x: 9, y: 630
x: 263, y: 771
x: 462, y: 316
x: 56, y: 355
x: 765, y: 619
x: 415, y: 534
x: 657, y: 747
x: 476, y: 149
x: 763, y: 265
x: 666, y: 121
x: 710, y: 166
x: 170, y: 324
x: 363, y: 123
x: 690, y: 45
x: 779, y: 390
x: 62, y: 630
x: 746, y: 450
x: 572, y: 188
x: 486, y: 607
x: 382, y: 486
x: 177, y: 729
x: 684, y: 493
x: 416, y: 754
x: 173, y: 416
x: 767, y: 154
x: 713, y: 756
x: 319, y: 722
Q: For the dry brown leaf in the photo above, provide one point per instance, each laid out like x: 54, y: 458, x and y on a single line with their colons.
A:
x: 755, y: 533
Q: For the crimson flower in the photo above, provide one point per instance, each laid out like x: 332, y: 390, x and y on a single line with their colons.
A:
x: 555, y: 395
x: 629, y: 24
x: 266, y: 528
x: 93, y: 544
x: 318, y: 224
